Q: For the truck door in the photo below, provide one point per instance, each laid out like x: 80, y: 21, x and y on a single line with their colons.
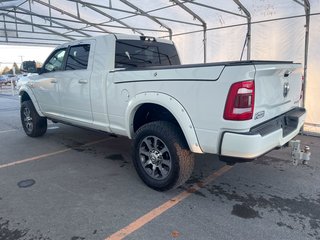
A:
x: 45, y: 85
x: 74, y: 87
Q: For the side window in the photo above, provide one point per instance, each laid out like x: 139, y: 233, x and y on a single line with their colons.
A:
x: 78, y: 57
x: 136, y: 54
x: 56, y: 61
x: 140, y: 53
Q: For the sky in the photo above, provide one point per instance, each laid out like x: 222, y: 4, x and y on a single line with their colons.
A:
x: 10, y: 54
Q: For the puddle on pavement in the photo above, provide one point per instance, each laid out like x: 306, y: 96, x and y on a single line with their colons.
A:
x: 243, y: 211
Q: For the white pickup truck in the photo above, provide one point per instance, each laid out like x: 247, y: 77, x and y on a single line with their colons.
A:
x: 135, y: 86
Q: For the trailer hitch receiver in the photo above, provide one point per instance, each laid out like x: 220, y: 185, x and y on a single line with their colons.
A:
x: 298, y: 154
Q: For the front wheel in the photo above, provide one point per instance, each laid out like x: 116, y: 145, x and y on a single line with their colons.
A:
x: 161, y: 156
x: 33, y: 124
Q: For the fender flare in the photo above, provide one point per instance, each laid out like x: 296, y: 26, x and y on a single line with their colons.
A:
x: 173, y: 106
x: 25, y: 89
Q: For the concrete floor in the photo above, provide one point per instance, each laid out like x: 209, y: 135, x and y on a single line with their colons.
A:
x: 92, y: 191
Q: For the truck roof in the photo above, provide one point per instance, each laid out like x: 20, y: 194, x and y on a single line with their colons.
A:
x: 117, y: 36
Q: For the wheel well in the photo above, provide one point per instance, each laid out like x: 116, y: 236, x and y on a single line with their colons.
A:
x: 25, y: 97
x: 150, y: 112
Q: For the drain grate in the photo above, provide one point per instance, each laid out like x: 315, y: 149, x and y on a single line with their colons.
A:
x: 26, y: 183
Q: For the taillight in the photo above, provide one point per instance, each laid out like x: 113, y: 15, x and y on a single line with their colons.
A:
x: 240, y: 101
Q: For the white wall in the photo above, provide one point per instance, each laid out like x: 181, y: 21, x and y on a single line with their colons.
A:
x: 275, y: 40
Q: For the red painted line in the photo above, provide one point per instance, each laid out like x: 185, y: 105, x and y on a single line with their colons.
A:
x: 140, y: 222
x: 40, y: 157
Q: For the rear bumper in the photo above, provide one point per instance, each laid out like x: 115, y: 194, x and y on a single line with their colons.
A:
x: 265, y: 137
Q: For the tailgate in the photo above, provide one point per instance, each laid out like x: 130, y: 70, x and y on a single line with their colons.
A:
x: 277, y: 89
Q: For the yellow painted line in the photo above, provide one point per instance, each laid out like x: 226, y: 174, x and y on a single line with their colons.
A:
x: 9, y: 130
x: 140, y: 222
x: 40, y: 157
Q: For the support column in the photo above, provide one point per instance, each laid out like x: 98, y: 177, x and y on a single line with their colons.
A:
x: 248, y: 36
x: 306, y: 47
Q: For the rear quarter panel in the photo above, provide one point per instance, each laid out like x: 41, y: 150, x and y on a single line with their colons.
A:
x: 202, y: 91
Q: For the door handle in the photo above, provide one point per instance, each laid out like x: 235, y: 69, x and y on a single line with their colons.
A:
x: 54, y: 81
x: 82, y: 81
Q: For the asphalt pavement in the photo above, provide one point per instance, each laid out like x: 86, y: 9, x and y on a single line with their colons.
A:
x: 76, y: 184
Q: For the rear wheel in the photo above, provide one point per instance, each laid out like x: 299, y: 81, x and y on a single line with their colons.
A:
x: 33, y: 124
x: 161, y: 156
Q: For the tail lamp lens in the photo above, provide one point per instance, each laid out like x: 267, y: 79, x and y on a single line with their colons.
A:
x: 240, y: 102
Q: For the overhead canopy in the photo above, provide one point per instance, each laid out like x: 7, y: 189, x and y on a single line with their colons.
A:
x: 203, y: 30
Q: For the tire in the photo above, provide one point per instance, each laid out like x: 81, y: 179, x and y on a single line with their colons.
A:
x: 33, y: 124
x: 161, y: 156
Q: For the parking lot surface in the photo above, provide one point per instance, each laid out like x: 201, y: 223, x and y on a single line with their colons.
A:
x: 76, y: 184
